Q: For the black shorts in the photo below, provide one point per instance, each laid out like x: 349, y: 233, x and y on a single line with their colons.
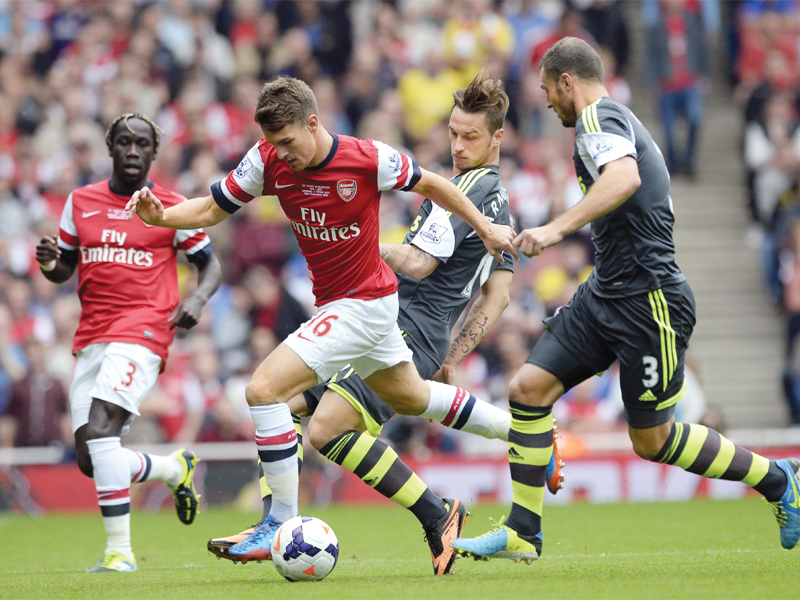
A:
x: 648, y: 333
x: 349, y: 386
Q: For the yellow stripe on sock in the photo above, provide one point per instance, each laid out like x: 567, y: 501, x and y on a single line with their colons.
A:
x: 265, y: 489
x: 381, y: 467
x: 723, y: 459
x: 528, y: 496
x: 411, y: 491
x: 697, y: 437
x: 334, y: 453
x: 758, y: 469
x: 532, y: 456
x: 675, y: 441
x: 358, y: 452
x: 542, y: 425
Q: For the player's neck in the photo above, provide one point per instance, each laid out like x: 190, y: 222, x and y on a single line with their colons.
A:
x: 324, y: 144
x: 125, y: 188
x: 588, y: 95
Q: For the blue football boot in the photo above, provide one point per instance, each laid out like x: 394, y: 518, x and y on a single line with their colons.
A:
x: 257, y: 546
x: 787, y: 509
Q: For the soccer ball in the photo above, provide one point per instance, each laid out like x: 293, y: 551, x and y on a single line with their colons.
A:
x: 305, y: 549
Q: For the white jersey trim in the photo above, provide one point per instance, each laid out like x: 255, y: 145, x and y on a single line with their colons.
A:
x: 436, y: 235
x: 390, y: 167
x: 68, y: 224
x: 603, y: 148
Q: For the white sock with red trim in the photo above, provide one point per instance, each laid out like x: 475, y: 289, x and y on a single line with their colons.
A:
x: 144, y: 467
x: 276, y: 439
x: 113, y: 483
x: 458, y: 409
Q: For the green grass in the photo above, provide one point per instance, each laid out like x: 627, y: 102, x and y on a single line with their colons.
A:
x: 698, y: 549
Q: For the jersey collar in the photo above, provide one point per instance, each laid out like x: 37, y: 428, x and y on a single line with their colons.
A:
x: 331, y: 154
x: 150, y: 184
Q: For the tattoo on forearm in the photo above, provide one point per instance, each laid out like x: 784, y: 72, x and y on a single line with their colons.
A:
x: 472, y: 332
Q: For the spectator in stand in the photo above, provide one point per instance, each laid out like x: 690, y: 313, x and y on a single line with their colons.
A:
x: 617, y: 86
x: 474, y: 34
x: 677, y: 61
x: 273, y: 307
x: 12, y: 360
x: 37, y: 412
x: 772, y: 154
x: 605, y: 21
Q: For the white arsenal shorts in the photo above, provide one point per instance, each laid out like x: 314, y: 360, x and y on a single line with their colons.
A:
x: 116, y: 372
x: 360, y: 333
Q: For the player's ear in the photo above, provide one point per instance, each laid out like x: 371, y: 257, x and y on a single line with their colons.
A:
x: 497, y: 138
x: 312, y: 123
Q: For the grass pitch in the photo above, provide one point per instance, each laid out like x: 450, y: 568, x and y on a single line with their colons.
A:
x: 700, y: 549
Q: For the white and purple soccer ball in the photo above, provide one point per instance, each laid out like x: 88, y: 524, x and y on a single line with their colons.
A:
x: 305, y: 549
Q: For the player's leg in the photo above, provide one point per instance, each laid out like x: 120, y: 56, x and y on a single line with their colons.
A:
x: 652, y: 380
x: 111, y: 380
x: 220, y: 547
x: 451, y: 406
x: 344, y: 428
x: 568, y: 352
x: 282, y: 375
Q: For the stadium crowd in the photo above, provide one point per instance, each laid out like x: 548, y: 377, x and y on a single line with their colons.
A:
x: 381, y: 70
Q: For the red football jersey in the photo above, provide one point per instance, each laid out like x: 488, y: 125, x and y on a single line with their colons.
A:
x: 127, y: 276
x: 333, y: 208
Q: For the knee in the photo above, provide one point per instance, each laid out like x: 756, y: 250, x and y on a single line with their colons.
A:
x: 85, y: 464
x: 529, y: 391
x: 408, y: 407
x: 319, y: 433
x: 260, y: 393
x: 101, y: 428
x: 648, y: 447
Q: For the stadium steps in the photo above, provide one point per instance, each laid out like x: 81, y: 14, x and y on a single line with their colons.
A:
x: 738, y: 342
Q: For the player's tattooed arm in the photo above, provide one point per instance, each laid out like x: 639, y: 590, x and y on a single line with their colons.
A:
x: 481, y: 318
x: 57, y: 265
x: 407, y: 259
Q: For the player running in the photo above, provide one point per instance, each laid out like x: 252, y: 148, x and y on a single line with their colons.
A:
x: 128, y: 287
x: 440, y: 266
x: 636, y: 307
x: 329, y: 186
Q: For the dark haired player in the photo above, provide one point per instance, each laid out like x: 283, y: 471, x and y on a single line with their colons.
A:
x: 441, y: 265
x: 636, y: 307
x: 329, y: 186
x: 128, y: 287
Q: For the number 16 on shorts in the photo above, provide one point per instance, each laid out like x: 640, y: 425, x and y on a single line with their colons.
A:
x: 318, y: 327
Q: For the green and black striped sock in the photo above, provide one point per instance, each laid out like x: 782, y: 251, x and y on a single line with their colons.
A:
x: 378, y: 465
x: 530, y: 445
x: 703, y: 451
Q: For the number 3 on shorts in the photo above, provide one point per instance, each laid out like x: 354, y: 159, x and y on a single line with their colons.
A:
x: 129, y: 379
x: 319, y: 326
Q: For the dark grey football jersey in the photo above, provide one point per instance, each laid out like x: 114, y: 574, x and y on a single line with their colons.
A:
x: 429, y: 308
x: 635, y: 252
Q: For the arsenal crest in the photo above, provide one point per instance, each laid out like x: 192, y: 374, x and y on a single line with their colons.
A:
x: 347, y: 189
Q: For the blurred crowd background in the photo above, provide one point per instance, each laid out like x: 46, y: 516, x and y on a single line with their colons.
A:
x: 381, y: 70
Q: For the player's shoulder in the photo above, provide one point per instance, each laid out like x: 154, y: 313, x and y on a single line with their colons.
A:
x: 99, y: 188
x: 609, y: 112
x: 479, y: 181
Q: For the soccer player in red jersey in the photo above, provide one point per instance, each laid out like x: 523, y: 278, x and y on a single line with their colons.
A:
x: 128, y: 287
x: 329, y: 187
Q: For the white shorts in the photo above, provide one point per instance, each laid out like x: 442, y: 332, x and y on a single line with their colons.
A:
x: 116, y: 372
x: 360, y: 333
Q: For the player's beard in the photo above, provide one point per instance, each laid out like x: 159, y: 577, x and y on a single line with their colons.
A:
x: 568, y: 114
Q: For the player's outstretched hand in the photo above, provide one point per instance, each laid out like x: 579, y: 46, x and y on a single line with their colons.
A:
x: 145, y: 204
x: 187, y: 314
x: 499, y: 238
x: 533, y: 241
x: 47, y: 250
